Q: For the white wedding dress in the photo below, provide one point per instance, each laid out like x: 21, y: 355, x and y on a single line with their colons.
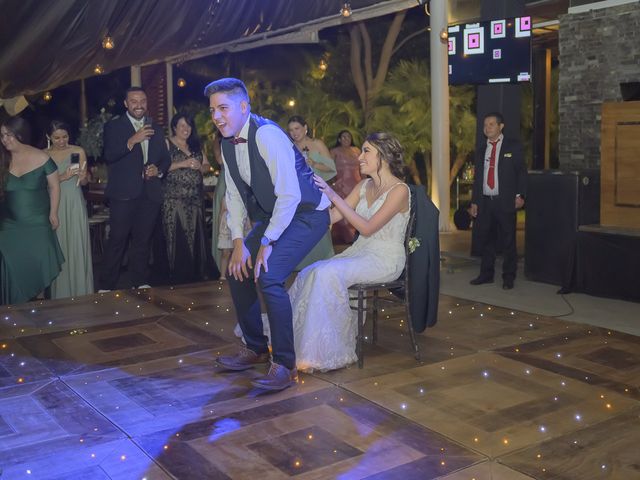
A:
x: 324, y: 326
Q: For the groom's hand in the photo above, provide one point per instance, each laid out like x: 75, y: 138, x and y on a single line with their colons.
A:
x: 262, y: 261
x: 240, y: 260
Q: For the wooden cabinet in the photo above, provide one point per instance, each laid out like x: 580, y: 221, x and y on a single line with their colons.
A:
x: 620, y: 165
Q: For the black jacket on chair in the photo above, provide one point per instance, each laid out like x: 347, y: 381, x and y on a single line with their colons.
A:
x: 126, y: 168
x: 424, y: 262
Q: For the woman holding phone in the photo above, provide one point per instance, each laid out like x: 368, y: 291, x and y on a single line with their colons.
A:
x: 76, y: 277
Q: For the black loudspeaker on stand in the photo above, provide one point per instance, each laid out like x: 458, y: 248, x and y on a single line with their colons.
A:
x: 557, y: 204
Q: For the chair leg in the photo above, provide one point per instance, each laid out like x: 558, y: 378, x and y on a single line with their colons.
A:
x: 100, y: 238
x: 412, y: 335
x: 374, y: 318
x: 360, y: 338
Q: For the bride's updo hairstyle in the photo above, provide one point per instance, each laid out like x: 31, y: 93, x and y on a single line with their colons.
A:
x: 390, y: 151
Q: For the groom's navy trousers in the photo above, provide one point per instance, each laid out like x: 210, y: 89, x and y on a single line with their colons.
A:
x: 305, y: 230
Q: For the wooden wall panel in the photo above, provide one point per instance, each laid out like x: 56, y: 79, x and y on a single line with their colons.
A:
x: 620, y: 165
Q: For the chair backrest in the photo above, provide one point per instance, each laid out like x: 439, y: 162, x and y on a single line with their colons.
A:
x: 411, y: 227
x: 404, y: 276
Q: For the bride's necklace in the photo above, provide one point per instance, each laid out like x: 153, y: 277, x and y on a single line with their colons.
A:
x: 377, y: 191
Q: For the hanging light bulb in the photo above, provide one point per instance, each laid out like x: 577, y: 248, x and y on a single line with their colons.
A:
x: 291, y: 102
x: 345, y: 11
x: 108, y: 43
x: 181, y: 83
x: 98, y: 69
x: 323, y: 65
x: 47, y: 96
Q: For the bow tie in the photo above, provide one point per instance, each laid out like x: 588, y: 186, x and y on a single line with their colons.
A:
x: 238, y: 140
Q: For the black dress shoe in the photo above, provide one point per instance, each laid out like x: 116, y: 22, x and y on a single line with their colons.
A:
x: 243, y: 360
x: 480, y: 280
x: 507, y: 285
x: 279, y: 377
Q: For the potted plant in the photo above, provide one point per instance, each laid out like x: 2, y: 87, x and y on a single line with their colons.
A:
x: 91, y: 139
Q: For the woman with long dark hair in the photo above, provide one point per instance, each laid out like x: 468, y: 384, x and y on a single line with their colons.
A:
x: 345, y: 154
x: 318, y: 158
x: 182, y: 211
x: 30, y: 256
x: 76, y: 277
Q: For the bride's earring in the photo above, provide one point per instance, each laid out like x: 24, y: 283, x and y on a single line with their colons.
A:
x: 48, y: 142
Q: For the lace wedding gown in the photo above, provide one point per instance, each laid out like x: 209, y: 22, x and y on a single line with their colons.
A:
x: 324, y: 326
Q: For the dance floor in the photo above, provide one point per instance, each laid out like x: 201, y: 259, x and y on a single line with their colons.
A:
x: 124, y: 386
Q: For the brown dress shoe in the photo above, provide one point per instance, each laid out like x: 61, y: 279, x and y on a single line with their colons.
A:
x: 243, y: 360
x: 278, y: 378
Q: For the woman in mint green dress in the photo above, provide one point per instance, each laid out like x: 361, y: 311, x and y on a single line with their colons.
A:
x: 76, y: 277
x: 320, y: 160
x: 30, y: 256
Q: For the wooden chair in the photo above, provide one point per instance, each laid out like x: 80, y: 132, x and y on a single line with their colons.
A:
x: 370, y: 291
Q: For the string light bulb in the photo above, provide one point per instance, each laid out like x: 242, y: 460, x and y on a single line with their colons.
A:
x: 181, y: 83
x: 98, y: 69
x: 346, y: 11
x: 323, y: 65
x: 291, y: 102
x: 108, y: 43
x: 47, y: 96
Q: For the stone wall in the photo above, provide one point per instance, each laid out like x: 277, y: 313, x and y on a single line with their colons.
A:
x: 599, y: 49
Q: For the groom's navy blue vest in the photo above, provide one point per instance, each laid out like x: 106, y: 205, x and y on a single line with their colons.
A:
x: 259, y: 197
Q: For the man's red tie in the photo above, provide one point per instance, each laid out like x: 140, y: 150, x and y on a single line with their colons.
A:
x: 238, y: 140
x: 491, y: 175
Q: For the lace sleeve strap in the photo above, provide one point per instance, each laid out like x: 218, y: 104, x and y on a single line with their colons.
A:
x: 363, y: 188
x: 408, y: 191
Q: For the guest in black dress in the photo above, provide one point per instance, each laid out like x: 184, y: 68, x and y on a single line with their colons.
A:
x: 189, y: 259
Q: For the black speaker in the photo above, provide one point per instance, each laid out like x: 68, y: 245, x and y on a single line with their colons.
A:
x: 557, y: 203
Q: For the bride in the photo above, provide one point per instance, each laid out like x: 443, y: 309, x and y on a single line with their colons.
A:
x: 378, y: 207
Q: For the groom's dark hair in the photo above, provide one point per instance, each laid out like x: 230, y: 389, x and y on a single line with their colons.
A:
x: 231, y: 86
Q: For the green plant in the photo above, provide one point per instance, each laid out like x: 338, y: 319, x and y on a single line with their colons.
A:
x: 90, y: 137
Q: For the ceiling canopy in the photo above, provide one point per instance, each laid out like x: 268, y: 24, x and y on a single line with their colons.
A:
x: 47, y: 44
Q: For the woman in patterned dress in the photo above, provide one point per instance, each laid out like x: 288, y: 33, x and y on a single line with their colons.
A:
x: 189, y: 259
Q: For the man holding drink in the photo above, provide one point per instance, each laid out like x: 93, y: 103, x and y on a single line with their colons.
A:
x: 137, y: 157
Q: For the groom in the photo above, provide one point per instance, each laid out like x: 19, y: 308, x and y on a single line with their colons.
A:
x: 267, y: 179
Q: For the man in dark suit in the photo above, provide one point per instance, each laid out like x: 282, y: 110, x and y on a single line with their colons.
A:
x: 499, y: 190
x: 137, y: 157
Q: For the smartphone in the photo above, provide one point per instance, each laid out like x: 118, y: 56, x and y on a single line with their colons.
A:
x: 75, y: 161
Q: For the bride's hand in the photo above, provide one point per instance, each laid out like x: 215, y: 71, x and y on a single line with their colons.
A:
x: 324, y: 188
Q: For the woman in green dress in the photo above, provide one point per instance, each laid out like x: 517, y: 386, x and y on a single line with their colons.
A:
x: 320, y: 160
x: 76, y: 277
x: 30, y: 256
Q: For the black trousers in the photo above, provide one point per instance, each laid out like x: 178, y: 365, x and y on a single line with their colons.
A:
x: 305, y: 230
x: 135, y: 218
x: 493, y: 221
